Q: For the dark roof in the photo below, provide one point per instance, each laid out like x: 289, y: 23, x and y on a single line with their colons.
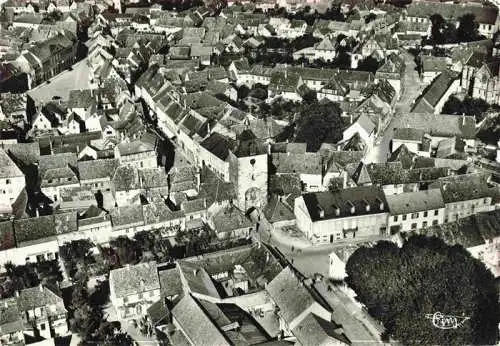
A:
x: 218, y: 145
x: 170, y: 282
x: 7, y: 240
x: 436, y: 90
x: 343, y: 200
x: 34, y: 228
x: 465, y: 187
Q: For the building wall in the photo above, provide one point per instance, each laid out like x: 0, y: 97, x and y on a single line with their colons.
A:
x: 54, y: 192
x: 10, y: 188
x: 413, y: 221
x: 458, y: 210
x: 330, y: 230
x: 134, y: 305
x: 213, y: 162
x: 47, y: 250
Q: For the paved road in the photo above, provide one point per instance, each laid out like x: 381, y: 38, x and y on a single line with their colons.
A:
x: 412, y: 87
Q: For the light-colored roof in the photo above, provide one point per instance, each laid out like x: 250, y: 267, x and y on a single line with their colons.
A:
x: 414, y: 202
x: 289, y: 294
x: 134, y: 279
x: 196, y: 325
x: 8, y: 169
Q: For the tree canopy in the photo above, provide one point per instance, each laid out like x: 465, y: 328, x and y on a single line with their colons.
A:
x: 400, y: 286
x: 319, y: 122
x: 469, y: 106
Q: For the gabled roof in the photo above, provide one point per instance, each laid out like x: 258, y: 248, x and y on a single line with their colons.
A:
x: 339, y: 204
x: 97, y: 169
x: 196, y: 325
x: 414, y: 202
x: 436, y: 91
x: 8, y: 169
x: 482, y: 14
x: 134, y: 279
x: 313, y: 330
x: 290, y: 295
x: 439, y: 125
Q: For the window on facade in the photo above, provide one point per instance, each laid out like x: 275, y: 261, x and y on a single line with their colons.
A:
x: 42, y: 326
x: 151, y: 294
x: 7, y: 181
x: 125, y: 299
x: 486, y: 201
x: 396, y: 218
x: 434, y: 222
x: 414, y: 216
x: 436, y: 212
x: 140, y: 295
x: 413, y: 226
x: 404, y: 217
x: 425, y: 214
x: 424, y: 224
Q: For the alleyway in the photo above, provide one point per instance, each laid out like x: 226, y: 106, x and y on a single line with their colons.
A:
x: 412, y: 87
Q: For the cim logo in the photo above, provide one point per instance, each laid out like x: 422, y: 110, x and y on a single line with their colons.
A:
x: 446, y: 321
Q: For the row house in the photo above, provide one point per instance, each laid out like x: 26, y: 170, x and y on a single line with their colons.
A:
x: 414, y: 210
x: 324, y: 217
x: 46, y: 59
x: 465, y: 195
x: 434, y: 98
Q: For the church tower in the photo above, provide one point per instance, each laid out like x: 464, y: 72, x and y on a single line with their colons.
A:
x: 248, y: 171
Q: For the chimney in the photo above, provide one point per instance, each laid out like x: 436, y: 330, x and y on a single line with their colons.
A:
x: 40, y: 287
x: 351, y: 205
x: 381, y: 204
x: 321, y: 212
x: 37, y: 212
x: 463, y: 119
x: 17, y: 293
x: 445, y: 186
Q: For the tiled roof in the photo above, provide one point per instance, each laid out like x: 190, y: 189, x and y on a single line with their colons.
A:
x: 97, y: 169
x: 8, y: 169
x: 37, y: 297
x: 300, y: 163
x: 290, y: 295
x: 413, y: 202
x: 196, y: 324
x: 465, y: 187
x: 436, y: 90
x: 34, y: 228
x: 197, y: 279
x: 159, y: 212
x: 170, y: 282
x: 231, y: 219
x: 314, y: 330
x: 126, y: 216
x: 341, y: 202
x: 56, y: 161
x: 134, y: 279
x: 135, y: 147
x: 126, y: 178
x: 153, y: 177
x: 408, y: 134
x: 439, y: 125
x: 7, y: 240
x: 218, y: 144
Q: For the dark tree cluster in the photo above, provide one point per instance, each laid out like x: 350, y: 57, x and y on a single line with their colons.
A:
x: 19, y: 277
x: 400, y: 286
x: 77, y: 256
x: 317, y: 123
x: 86, y: 317
x: 443, y: 32
x: 469, y: 106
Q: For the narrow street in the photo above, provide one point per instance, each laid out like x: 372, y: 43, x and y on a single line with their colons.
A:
x: 411, y: 87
